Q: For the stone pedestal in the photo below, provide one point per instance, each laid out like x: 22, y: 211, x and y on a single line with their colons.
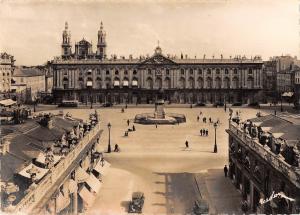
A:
x: 159, y: 109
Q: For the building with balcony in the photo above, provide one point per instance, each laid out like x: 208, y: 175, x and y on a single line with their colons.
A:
x: 49, y: 165
x: 264, y: 162
x: 90, y: 76
x: 6, y: 68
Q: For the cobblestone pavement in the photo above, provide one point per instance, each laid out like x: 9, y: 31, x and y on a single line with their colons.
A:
x: 156, y: 162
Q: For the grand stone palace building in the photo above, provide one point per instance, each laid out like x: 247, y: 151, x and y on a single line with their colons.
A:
x: 88, y: 76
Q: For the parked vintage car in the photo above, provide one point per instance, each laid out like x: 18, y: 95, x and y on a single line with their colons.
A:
x: 137, y: 203
x: 107, y: 104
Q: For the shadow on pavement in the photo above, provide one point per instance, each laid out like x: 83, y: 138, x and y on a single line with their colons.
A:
x: 125, y: 205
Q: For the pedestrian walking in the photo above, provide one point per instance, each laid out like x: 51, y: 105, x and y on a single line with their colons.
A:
x: 198, y: 118
x: 133, y: 128
x: 200, y: 113
x: 186, y: 144
x: 102, y: 161
x: 206, y: 132
x: 128, y: 122
x: 201, y: 130
x: 126, y: 106
x: 156, y: 125
x: 225, y: 171
x: 116, y: 148
x: 210, y: 119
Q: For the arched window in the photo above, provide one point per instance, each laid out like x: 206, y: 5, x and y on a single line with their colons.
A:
x: 218, y: 71
x: 182, y: 83
x: 209, y: 83
x: 218, y: 83
x: 226, y: 83
x: 191, y: 83
x: 149, y: 72
x: 208, y: 72
x: 116, y: 72
x: 134, y: 72
x: 149, y: 83
x: 235, y: 83
x: 200, y: 72
x: 167, y: 83
x: 191, y: 71
x: 66, y: 83
x: 158, y: 83
x: 250, y: 83
x: 98, y: 82
x: 107, y: 83
x: 200, y: 83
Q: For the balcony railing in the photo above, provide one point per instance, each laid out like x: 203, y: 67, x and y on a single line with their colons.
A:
x: 292, y: 172
x: 36, y: 195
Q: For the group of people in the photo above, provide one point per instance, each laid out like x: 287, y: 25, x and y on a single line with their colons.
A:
x: 204, y: 132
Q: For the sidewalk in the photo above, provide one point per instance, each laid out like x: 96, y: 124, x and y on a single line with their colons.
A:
x: 220, y: 193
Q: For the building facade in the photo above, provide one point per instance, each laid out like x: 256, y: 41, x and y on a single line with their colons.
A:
x: 90, y: 76
x: 32, y: 79
x: 297, y: 86
x: 51, y: 165
x: 264, y: 162
x: 6, y: 69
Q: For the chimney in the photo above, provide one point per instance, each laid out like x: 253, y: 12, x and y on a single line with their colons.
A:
x: 47, y: 121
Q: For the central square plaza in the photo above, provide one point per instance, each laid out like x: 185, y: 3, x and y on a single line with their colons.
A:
x: 156, y: 161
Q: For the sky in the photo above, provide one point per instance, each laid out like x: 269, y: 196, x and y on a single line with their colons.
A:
x: 31, y: 30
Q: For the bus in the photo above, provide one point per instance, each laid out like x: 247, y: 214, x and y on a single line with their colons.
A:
x: 69, y: 103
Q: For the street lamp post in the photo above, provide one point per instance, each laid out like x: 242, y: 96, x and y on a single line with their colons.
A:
x: 225, y: 107
x: 109, y: 147
x: 91, y: 97
x: 281, y: 108
x: 215, y: 147
x: 34, y: 104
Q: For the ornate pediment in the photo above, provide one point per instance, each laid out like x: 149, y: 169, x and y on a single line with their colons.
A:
x: 158, y: 59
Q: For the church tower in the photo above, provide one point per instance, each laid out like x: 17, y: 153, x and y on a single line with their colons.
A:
x: 66, y: 43
x: 101, y: 45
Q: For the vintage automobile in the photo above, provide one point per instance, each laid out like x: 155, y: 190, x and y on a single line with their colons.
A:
x: 137, y: 203
x: 200, y: 207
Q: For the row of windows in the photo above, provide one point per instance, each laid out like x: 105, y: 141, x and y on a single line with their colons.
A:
x: 182, y: 71
x: 167, y: 72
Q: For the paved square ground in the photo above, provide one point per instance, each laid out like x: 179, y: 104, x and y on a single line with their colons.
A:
x: 156, y: 162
